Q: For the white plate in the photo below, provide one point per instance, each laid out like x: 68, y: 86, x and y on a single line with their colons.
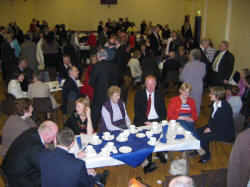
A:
x: 151, y: 143
x: 125, y: 149
x: 119, y: 139
x: 98, y: 142
x: 133, y: 131
x: 140, y: 135
x: 111, y: 137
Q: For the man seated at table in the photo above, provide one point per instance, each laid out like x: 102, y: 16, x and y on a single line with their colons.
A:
x: 149, y: 106
x: 21, y: 164
x: 70, y: 90
x: 64, y: 67
x: 61, y: 168
x: 114, y: 115
x: 40, y: 90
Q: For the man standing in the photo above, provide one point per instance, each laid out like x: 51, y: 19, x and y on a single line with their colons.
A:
x: 64, y: 67
x: 149, y: 106
x: 21, y: 164
x: 223, y: 64
x: 155, y: 41
x: 61, y: 168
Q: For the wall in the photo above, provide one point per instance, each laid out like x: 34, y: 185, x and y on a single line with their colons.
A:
x: 85, y: 14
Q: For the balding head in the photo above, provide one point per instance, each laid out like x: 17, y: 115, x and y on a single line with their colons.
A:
x: 48, y: 130
x: 181, y: 181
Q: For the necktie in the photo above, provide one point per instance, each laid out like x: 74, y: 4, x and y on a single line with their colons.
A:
x: 149, y: 104
x: 216, y: 61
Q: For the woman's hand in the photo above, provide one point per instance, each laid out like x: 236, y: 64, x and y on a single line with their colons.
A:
x: 207, y: 130
x: 87, y: 111
x: 188, y: 119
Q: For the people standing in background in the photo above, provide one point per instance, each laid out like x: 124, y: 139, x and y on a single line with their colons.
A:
x: 39, y: 51
x: 242, y: 82
x: 135, y: 67
x: 155, y: 41
x: 222, y: 66
x: 33, y: 26
x: 165, y: 32
x: 15, y: 45
x: 193, y: 73
x: 143, y: 27
x: 234, y: 100
x: 210, y: 51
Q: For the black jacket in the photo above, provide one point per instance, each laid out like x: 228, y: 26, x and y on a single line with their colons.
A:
x: 140, y: 107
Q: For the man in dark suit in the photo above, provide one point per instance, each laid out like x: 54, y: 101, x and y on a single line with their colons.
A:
x: 102, y: 37
x: 61, y: 168
x: 70, y: 90
x: 21, y: 164
x: 204, y: 44
x: 149, y: 106
x: 64, y: 67
x: 222, y: 66
x: 155, y: 41
x: 143, y: 27
x: 104, y: 75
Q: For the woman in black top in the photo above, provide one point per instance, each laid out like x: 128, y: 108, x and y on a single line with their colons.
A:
x: 80, y: 119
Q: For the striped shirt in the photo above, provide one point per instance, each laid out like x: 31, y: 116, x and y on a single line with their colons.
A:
x: 185, y: 110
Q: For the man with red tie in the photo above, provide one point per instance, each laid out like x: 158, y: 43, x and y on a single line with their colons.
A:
x: 149, y: 106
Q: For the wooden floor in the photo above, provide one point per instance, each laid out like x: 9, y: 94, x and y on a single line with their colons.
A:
x: 120, y: 175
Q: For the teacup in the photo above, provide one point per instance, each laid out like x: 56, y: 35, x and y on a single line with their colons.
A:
x: 155, y: 126
x: 172, y: 122
x: 89, y: 147
x: 106, y: 134
x: 122, y: 135
x: 149, y: 134
x: 132, y: 127
x: 164, y: 122
x: 126, y: 132
x: 110, y: 145
x: 105, y: 150
x: 152, y: 140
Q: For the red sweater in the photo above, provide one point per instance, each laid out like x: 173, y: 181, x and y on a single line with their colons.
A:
x: 174, y: 108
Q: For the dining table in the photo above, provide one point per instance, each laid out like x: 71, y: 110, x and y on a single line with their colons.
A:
x: 169, y: 137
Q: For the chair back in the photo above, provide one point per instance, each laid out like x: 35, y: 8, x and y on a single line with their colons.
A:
x: 70, y: 106
x: 128, y: 72
x: 42, y: 105
x: 239, y: 120
x: 4, y: 177
x: 9, y: 96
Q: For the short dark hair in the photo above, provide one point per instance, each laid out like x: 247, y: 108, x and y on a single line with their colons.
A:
x: 22, y: 105
x: 16, y: 74
x: 65, y: 137
x: 219, y: 92
x: 234, y: 89
x: 27, y: 37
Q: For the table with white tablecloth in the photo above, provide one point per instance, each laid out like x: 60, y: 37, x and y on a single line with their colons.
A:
x: 172, y: 145
x: 55, y: 86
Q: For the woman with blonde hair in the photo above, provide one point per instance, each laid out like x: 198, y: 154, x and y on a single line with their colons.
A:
x: 80, y: 119
x: 182, y: 107
x: 114, y: 115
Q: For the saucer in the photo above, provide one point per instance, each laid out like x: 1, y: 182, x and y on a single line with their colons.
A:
x: 140, y: 135
x: 110, y: 137
x: 119, y: 139
x: 125, y: 149
x: 98, y: 142
x: 134, y: 131
x: 152, y: 143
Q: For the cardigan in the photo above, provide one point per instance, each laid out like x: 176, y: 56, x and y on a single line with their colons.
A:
x: 174, y: 108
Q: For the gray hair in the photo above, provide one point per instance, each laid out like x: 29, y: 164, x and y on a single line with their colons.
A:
x: 195, y: 54
x: 182, y: 181
x: 71, y: 68
x: 204, y: 41
x: 102, y: 54
x: 225, y: 43
x: 65, y: 137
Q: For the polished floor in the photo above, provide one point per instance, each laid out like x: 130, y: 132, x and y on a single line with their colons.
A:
x: 120, y: 175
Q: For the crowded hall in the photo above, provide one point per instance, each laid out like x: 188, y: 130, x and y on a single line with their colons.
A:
x: 124, y: 93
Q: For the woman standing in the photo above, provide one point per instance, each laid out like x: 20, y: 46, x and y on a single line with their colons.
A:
x: 193, y: 73
x: 80, y: 120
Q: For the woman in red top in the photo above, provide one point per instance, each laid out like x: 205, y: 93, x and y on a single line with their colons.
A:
x: 86, y: 88
x: 132, y: 40
x: 182, y: 107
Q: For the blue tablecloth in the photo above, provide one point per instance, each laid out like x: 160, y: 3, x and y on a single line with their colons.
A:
x: 140, y: 149
x: 189, y: 126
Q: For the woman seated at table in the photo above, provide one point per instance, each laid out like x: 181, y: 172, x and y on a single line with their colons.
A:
x: 17, y: 123
x: 14, y: 87
x: 114, y: 115
x: 80, y: 119
x: 220, y: 125
x: 182, y: 107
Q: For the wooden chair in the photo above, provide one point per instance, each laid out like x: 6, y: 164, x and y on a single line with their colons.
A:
x: 43, y: 105
x: 4, y: 177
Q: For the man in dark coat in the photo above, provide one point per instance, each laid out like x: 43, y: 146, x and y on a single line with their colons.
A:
x: 21, y: 164
x: 155, y: 41
x: 104, y: 75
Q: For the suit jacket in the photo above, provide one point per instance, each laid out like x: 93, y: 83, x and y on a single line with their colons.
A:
x: 204, y: 58
x: 28, y: 52
x: 222, y: 125
x: 104, y: 75
x: 39, y: 89
x: 12, y: 128
x: 140, y: 107
x: 21, y: 164
x: 226, y: 65
x: 149, y: 66
x: 63, y: 71
x: 70, y: 91
x: 69, y: 49
x: 60, y: 168
x: 102, y: 38
x: 154, y: 43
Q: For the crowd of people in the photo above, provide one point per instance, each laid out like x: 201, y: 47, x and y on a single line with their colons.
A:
x: 154, y: 55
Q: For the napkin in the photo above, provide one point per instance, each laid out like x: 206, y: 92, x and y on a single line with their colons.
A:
x: 179, y: 136
x: 164, y: 133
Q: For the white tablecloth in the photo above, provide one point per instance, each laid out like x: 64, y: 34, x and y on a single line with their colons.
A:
x: 55, y: 86
x: 101, y: 161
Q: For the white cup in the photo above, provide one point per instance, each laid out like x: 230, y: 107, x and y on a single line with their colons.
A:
x: 149, y: 134
x: 152, y: 139
x: 164, y: 122
x: 89, y: 148
x: 122, y: 135
x: 105, y: 150
x: 106, y: 134
x: 132, y: 127
x: 126, y: 132
x: 110, y: 144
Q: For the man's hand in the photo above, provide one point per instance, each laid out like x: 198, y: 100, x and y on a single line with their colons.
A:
x: 91, y: 172
x: 81, y: 155
x: 207, y: 130
x: 147, y: 123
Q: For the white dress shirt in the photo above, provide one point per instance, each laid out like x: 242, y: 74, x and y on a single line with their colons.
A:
x: 216, y: 107
x: 222, y: 54
x: 152, y: 114
x: 15, y: 89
